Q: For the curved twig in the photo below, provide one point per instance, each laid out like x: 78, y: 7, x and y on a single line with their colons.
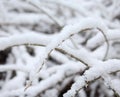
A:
x: 107, y: 42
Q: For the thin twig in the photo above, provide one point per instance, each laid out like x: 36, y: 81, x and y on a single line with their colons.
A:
x: 63, y: 51
x: 107, y: 42
x: 47, y: 13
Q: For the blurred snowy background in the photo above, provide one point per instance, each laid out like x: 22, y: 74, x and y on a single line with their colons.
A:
x: 59, y: 48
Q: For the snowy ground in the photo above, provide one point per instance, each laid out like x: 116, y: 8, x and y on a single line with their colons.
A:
x: 59, y: 48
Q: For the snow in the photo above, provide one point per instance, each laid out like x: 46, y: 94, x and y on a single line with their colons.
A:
x: 57, y: 48
x: 115, y: 85
x: 67, y: 32
x: 92, y: 74
x: 10, y: 67
x: 25, y: 39
x: 106, y: 68
x: 98, y: 39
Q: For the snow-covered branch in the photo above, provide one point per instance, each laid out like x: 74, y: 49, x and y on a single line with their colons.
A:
x: 56, y: 48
